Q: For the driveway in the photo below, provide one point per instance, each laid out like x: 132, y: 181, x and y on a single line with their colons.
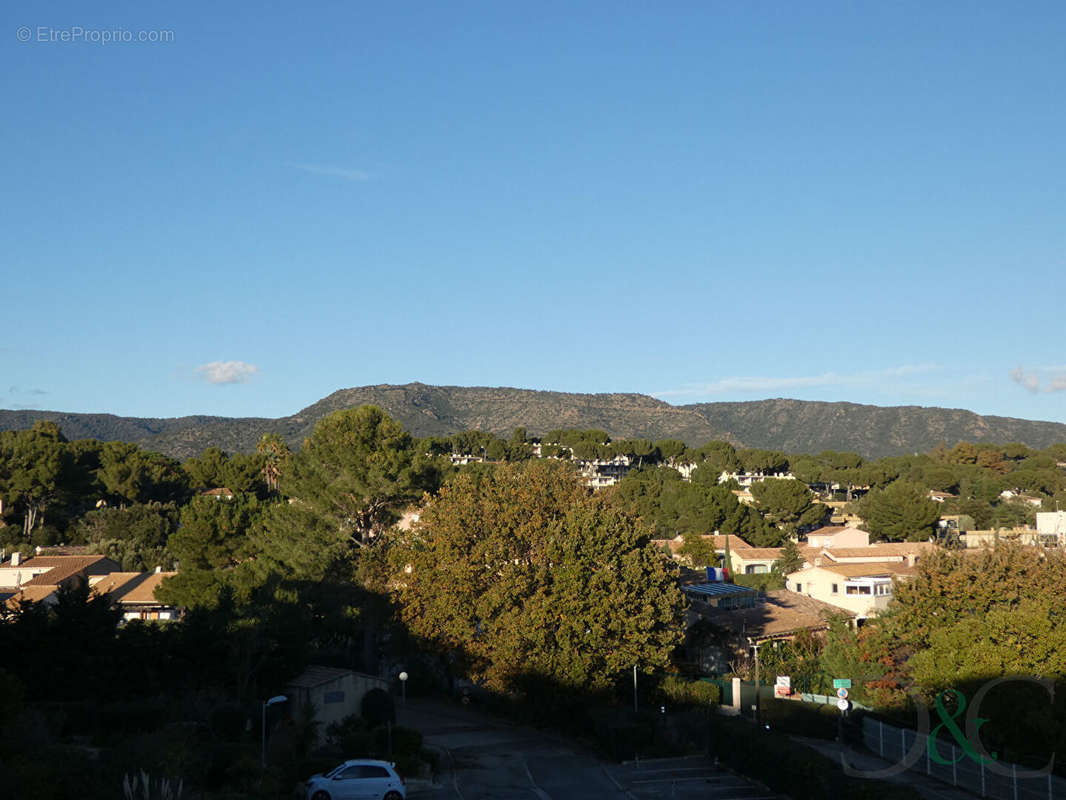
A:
x: 484, y: 757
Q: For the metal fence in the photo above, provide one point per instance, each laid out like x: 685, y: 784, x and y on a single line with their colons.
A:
x: 998, y: 780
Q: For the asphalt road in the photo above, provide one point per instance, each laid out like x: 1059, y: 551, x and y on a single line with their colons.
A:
x: 484, y: 757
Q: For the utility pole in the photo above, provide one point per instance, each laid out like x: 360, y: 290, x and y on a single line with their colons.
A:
x: 635, y: 689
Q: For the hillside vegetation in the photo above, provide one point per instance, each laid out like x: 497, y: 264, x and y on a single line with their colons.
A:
x: 788, y: 425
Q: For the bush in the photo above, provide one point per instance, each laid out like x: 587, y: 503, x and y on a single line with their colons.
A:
x: 803, y: 719
x: 788, y: 767
x: 228, y: 723
x: 378, y: 708
x: 761, y: 582
x: 352, y: 735
x: 315, y: 766
x: 677, y: 692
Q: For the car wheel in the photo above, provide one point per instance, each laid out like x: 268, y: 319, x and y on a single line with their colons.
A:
x: 320, y: 795
x: 393, y: 796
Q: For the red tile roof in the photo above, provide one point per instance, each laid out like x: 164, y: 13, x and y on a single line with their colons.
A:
x: 64, y: 567
x: 782, y: 614
x: 30, y: 594
x: 143, y: 591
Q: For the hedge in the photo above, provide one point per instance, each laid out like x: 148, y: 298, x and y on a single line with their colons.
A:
x: 791, y: 768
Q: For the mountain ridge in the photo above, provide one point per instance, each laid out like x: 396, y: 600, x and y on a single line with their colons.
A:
x: 428, y: 410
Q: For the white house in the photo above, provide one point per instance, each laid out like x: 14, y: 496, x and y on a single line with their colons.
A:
x: 842, y: 536
x: 333, y: 693
x: 863, y: 590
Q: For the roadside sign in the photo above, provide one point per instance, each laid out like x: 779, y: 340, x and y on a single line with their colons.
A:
x: 841, y: 683
x: 842, y: 704
x: 784, y: 680
x: 842, y: 694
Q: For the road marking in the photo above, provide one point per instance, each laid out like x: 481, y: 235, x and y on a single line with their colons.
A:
x: 614, y: 780
x: 543, y: 795
x: 675, y: 770
x: 455, y: 775
x: 717, y: 784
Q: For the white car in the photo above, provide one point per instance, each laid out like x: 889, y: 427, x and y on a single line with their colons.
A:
x: 358, y: 779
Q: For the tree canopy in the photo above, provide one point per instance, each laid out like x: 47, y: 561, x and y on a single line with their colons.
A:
x: 902, y: 511
x: 788, y: 503
x: 357, y: 470
x: 525, y: 573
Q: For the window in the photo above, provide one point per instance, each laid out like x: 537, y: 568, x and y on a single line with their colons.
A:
x: 799, y: 587
x: 363, y: 771
x: 835, y: 589
x: 333, y: 697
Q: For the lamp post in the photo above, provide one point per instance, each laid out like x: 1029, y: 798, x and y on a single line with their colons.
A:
x: 755, y: 647
x: 272, y: 701
x: 403, y: 688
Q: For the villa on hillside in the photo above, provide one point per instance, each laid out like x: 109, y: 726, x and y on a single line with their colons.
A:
x: 861, y: 589
x: 41, y: 579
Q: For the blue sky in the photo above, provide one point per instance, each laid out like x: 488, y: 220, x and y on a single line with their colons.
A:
x: 703, y: 201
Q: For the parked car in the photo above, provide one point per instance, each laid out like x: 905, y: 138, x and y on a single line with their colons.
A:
x: 358, y: 779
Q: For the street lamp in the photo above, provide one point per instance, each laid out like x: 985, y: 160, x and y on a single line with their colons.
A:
x: 272, y: 701
x: 403, y: 688
x: 755, y: 646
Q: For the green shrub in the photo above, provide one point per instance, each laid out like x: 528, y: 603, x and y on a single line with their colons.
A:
x: 378, y: 708
x: 804, y: 719
x: 788, y: 767
x: 352, y: 735
x: 761, y: 582
x: 315, y: 766
x: 677, y: 692
x: 228, y: 723
x: 405, y: 741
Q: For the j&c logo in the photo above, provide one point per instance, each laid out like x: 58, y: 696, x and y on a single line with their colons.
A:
x: 947, y: 720
x: 966, y: 736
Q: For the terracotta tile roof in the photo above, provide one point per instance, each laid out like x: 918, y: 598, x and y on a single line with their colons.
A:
x: 752, y: 553
x: 881, y: 549
x: 64, y: 567
x: 717, y: 541
x: 66, y: 550
x: 221, y: 491
x: 829, y: 531
x: 315, y: 676
x: 30, y: 594
x: 115, y: 582
x: 782, y: 613
x: 871, y: 570
x: 142, y: 591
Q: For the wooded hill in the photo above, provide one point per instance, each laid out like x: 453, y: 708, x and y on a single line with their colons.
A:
x: 788, y: 425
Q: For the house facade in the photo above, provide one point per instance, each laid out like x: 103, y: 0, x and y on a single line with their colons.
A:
x: 863, y: 590
x: 333, y: 693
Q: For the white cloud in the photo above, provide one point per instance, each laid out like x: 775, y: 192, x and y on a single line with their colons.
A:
x: 1053, y: 380
x: 773, y: 384
x: 332, y: 171
x: 227, y: 371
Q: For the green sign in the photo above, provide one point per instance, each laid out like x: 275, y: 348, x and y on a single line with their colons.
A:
x: 841, y: 683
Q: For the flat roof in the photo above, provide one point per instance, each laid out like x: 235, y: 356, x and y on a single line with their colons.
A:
x: 717, y: 589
